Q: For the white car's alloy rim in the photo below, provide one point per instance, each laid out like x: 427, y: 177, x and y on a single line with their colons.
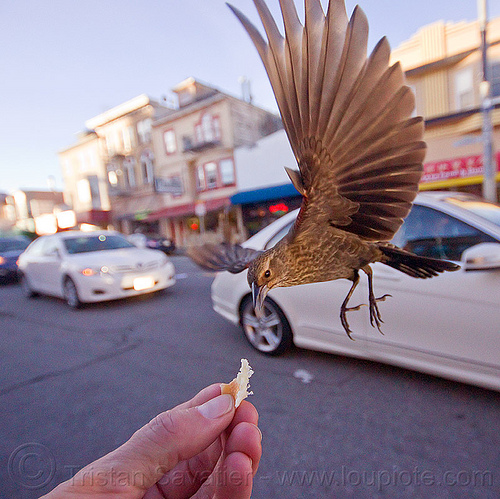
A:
x: 264, y: 333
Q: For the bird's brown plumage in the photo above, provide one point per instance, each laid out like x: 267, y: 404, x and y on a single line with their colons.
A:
x: 348, y: 117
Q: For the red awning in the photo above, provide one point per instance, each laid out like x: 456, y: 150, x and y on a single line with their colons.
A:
x: 188, y: 209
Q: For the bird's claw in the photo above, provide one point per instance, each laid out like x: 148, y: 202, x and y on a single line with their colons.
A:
x: 375, y: 317
x: 343, y: 320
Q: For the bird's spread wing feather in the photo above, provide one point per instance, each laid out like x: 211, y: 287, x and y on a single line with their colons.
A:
x: 231, y: 257
x: 347, y: 116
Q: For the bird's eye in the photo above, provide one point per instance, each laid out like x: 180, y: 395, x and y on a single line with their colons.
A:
x: 267, y: 273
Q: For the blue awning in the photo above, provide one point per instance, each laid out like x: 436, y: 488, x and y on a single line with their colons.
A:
x: 265, y: 194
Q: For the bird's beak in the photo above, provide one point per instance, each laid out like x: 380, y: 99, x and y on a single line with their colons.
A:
x: 258, y: 296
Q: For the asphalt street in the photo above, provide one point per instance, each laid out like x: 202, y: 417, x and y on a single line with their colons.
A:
x: 74, y: 384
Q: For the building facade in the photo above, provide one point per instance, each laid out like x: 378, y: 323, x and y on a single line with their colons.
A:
x: 443, y: 64
x: 109, y: 173
x: 195, y: 172
x: 166, y: 171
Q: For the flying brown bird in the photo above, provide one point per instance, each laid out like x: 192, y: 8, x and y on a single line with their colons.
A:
x: 359, y: 152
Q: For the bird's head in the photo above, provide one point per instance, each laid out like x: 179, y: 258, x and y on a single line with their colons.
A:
x: 266, y: 272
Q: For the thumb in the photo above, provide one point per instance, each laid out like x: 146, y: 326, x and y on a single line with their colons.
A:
x: 171, y: 437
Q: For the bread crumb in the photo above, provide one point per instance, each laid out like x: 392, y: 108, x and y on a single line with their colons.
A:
x: 238, y: 388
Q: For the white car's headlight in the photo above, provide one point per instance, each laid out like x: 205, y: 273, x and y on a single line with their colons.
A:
x: 91, y: 271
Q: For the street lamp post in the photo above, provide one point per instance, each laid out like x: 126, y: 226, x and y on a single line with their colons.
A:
x: 489, y: 180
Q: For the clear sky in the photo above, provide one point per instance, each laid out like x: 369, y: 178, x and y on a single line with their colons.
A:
x: 65, y: 61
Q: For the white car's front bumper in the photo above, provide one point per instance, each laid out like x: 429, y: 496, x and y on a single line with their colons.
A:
x: 102, y: 287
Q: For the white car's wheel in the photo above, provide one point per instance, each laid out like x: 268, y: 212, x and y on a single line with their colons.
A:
x: 71, y: 293
x: 26, y: 287
x: 270, y: 334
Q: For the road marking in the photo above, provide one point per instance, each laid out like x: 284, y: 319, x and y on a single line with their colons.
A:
x: 303, y: 375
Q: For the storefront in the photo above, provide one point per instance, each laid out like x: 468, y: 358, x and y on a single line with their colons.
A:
x: 187, y: 223
x: 260, y: 207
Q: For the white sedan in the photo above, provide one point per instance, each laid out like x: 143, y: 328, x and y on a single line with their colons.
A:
x: 91, y: 267
x: 448, y: 325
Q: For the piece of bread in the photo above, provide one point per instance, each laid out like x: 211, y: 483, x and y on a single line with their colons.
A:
x: 238, y: 388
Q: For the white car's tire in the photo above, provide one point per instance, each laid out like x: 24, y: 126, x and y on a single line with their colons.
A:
x: 271, y: 334
x: 71, y: 293
x: 27, y: 288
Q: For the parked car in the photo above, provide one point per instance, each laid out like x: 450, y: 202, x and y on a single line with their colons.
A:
x: 161, y: 243
x: 91, y: 267
x: 152, y: 242
x: 10, y: 249
x: 448, y: 326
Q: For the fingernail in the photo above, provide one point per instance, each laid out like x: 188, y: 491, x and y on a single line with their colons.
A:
x: 216, y: 407
x: 259, y: 431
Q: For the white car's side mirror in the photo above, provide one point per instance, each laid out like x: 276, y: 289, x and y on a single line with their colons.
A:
x: 484, y: 256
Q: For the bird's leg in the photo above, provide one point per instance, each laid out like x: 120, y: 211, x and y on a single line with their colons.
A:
x: 344, y: 309
x: 375, y: 317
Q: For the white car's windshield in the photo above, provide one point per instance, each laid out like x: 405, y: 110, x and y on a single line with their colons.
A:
x: 489, y: 211
x: 99, y: 242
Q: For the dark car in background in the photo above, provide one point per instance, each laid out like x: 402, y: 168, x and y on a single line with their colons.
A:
x: 152, y: 242
x: 161, y: 243
x: 10, y: 249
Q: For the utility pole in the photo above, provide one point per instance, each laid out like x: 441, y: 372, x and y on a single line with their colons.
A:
x: 489, y: 170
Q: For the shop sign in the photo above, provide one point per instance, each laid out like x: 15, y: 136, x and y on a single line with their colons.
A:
x: 452, y: 169
x: 141, y: 215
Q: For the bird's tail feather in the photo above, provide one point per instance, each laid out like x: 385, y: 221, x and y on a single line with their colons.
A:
x: 413, y: 265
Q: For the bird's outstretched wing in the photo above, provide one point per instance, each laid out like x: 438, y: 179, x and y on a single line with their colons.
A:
x: 231, y: 257
x: 347, y: 116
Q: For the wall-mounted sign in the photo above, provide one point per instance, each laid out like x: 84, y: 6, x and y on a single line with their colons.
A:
x: 169, y: 185
x: 456, y: 168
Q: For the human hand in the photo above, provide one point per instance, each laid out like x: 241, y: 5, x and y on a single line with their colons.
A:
x: 202, y: 448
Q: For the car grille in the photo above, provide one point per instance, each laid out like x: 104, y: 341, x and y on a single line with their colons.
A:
x: 141, y: 267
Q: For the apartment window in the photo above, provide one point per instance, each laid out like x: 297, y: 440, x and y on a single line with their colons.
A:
x: 495, y: 79
x: 414, y: 90
x: 144, y: 130
x: 83, y: 162
x: 147, y: 167
x: 110, y: 145
x: 200, y: 178
x: 464, y: 88
x: 129, y: 167
x: 226, y: 168
x: 211, y: 175
x: 215, y: 174
x: 113, y: 178
x: 208, y: 130
x: 128, y: 138
x: 170, y: 141
x: 95, y: 193
x: 83, y: 191
x: 206, y: 176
